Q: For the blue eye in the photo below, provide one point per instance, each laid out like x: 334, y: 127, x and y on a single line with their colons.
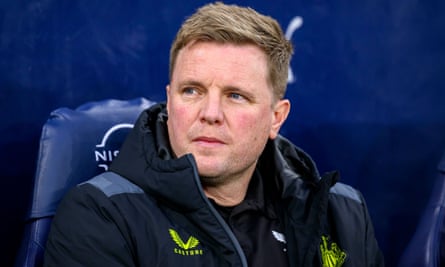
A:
x: 236, y: 96
x: 189, y: 91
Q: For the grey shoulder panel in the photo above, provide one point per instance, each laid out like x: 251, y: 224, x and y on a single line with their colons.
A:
x: 346, y: 191
x: 112, y: 184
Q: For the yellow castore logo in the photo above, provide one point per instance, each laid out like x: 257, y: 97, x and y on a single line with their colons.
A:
x: 185, y: 248
x: 331, y: 254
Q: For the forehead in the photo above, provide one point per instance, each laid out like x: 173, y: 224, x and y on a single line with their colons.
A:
x: 244, y: 62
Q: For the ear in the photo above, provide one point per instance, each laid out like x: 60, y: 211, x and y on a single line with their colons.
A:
x: 281, y: 110
x: 167, y: 93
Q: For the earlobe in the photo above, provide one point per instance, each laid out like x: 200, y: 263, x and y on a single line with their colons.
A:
x: 281, y: 111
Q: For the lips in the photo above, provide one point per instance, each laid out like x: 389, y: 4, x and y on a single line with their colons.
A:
x: 208, y: 140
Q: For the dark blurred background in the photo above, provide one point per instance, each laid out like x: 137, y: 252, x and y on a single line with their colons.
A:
x: 368, y: 91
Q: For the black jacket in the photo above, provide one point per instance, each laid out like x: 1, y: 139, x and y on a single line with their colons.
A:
x: 150, y: 210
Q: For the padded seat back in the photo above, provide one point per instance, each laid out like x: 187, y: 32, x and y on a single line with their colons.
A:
x: 75, y: 145
x: 427, y: 244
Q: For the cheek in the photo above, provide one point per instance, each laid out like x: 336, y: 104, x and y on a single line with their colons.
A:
x: 248, y: 123
x: 178, y: 115
x: 181, y: 120
x: 258, y: 124
x: 177, y: 129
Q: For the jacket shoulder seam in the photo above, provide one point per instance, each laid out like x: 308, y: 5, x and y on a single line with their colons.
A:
x: 112, y: 184
x: 346, y: 191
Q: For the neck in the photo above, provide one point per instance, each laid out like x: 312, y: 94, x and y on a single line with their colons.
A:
x: 230, y: 194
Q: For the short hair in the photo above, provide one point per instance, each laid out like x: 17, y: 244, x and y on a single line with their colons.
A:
x: 218, y: 22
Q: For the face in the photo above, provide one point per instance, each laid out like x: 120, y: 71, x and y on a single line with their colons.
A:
x: 221, y: 109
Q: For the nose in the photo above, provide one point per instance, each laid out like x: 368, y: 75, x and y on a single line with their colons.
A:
x: 211, y: 110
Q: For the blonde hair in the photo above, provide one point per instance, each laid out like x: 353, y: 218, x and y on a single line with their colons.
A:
x: 223, y: 23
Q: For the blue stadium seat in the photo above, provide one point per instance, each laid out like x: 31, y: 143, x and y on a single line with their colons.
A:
x: 75, y: 145
x: 427, y: 246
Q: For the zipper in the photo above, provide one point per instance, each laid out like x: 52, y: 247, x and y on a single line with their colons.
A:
x: 218, y: 217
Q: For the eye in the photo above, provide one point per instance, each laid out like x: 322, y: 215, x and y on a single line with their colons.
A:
x: 236, y: 96
x: 189, y: 91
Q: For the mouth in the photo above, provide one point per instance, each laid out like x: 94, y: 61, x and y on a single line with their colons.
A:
x: 205, y: 140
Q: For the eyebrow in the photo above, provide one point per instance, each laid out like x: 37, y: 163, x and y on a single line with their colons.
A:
x: 227, y: 88
x: 190, y: 82
x: 245, y: 93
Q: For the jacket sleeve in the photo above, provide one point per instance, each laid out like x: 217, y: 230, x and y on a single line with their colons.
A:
x: 374, y: 255
x: 84, y: 232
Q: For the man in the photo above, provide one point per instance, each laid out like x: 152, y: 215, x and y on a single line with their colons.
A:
x: 206, y: 179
